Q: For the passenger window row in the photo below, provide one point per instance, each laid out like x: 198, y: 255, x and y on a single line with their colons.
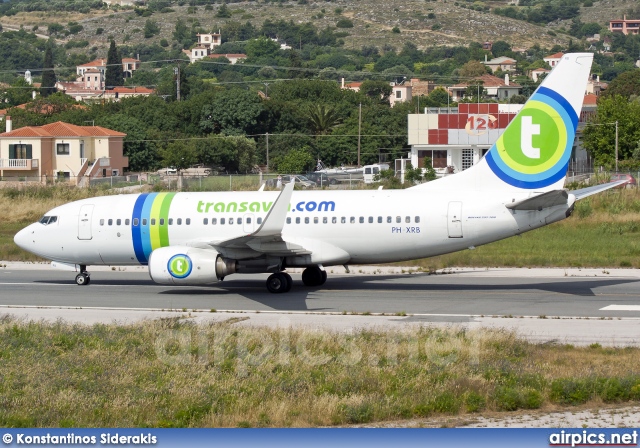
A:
x: 231, y: 221
x: 352, y: 220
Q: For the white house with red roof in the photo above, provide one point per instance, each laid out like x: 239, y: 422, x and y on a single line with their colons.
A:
x: 495, y: 88
x: 502, y: 63
x: 233, y: 57
x: 92, y: 74
x: 553, y: 59
x: 61, y: 150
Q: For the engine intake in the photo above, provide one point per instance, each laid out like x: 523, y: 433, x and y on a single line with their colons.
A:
x: 184, y: 265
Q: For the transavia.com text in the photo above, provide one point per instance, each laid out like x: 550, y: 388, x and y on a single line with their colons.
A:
x: 73, y: 439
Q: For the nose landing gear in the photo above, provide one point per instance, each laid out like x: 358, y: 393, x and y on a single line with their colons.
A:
x: 83, y: 278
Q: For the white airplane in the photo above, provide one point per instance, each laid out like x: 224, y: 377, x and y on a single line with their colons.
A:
x: 201, y: 238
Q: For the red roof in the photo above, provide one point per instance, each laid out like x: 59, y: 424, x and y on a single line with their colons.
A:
x: 62, y: 129
x: 228, y: 55
x: 130, y: 90
x: 97, y: 63
x: 555, y: 56
x: 590, y: 100
x: 489, y: 81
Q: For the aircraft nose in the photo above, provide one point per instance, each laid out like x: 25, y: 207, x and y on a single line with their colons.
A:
x: 23, y: 237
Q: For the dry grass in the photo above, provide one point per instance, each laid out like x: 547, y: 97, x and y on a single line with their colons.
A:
x: 167, y: 373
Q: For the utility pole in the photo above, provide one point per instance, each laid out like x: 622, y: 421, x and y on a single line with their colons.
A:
x: 359, y: 130
x: 267, y: 135
x: 616, y: 146
x: 176, y: 71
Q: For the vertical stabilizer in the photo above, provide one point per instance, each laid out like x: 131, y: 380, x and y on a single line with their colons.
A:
x: 534, y: 150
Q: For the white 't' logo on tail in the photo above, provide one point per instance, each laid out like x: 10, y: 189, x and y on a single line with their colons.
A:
x: 526, y: 137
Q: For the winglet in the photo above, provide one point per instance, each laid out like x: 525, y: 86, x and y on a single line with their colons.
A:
x: 274, y: 221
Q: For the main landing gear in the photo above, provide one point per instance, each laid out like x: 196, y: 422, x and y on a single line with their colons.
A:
x: 83, y: 278
x: 281, y: 281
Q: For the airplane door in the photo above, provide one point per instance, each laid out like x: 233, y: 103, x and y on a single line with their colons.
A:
x: 454, y: 220
x: 248, y: 223
x: 84, y: 222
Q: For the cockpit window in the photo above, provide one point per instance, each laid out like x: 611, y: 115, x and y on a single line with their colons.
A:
x: 48, y: 219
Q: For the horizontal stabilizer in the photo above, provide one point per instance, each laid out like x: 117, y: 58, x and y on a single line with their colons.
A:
x: 585, y: 192
x: 544, y: 200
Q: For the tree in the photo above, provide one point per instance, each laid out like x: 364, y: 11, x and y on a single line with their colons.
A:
x: 181, y: 32
x: 376, y: 90
x: 440, y: 96
x: 223, y: 12
x: 232, y: 112
x: 151, y: 28
x: 625, y: 84
x: 114, y: 75
x: 322, y: 118
x: 473, y: 69
x: 48, y: 85
x: 296, y: 161
x: 599, y: 138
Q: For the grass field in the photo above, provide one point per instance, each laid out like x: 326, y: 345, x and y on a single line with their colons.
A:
x: 173, y: 374
x: 603, y: 231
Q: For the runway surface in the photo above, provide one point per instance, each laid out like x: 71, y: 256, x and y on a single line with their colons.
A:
x: 552, y: 303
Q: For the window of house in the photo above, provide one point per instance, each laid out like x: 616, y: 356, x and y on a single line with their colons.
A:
x: 398, y: 94
x: 20, y: 151
x: 62, y: 149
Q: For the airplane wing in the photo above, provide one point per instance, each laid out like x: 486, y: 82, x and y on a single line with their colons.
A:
x: 268, y: 237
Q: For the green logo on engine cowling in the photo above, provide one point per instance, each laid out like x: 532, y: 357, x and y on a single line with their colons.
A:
x: 179, y: 266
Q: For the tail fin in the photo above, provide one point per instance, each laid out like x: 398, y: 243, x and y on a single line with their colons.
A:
x: 534, y: 150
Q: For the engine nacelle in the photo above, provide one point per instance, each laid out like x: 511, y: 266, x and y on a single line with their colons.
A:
x: 183, y: 265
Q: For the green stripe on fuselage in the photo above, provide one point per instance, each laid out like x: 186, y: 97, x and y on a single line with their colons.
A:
x: 164, y: 214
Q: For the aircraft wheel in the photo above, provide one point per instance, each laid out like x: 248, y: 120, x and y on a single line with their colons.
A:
x: 312, y: 276
x: 289, y: 281
x: 82, y: 279
x: 324, y: 278
x: 277, y: 283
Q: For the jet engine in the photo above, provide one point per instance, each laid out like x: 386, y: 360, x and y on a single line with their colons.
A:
x: 183, y: 265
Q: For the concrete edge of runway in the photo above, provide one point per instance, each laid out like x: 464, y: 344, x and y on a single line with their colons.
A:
x: 610, y: 332
x: 555, y: 272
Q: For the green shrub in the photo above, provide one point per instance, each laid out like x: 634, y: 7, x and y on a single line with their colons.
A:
x: 474, y: 402
x: 570, y: 391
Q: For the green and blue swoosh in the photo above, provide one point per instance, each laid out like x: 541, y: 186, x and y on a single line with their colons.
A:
x: 146, y: 237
